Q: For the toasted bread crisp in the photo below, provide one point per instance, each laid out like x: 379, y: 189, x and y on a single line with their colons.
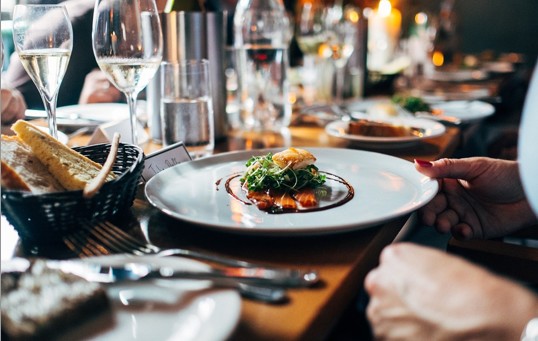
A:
x: 71, y: 169
x: 21, y: 170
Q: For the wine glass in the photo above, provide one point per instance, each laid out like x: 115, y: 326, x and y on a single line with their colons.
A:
x: 43, y: 38
x: 341, y: 29
x: 128, y: 46
x: 309, y: 31
x: 310, y: 35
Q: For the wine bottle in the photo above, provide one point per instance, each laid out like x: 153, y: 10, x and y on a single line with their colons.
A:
x: 185, y: 5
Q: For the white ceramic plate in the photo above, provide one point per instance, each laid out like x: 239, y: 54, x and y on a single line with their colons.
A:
x: 429, y: 127
x: 366, y: 104
x: 385, y: 187
x: 85, y: 115
x: 458, y: 75
x: 187, y: 310
x: 466, y: 111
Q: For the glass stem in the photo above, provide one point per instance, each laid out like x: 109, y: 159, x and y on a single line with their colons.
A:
x: 50, y: 107
x: 131, y: 100
x: 340, y: 85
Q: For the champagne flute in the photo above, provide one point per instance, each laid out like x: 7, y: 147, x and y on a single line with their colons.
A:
x: 128, y: 46
x: 309, y: 32
x: 341, y: 29
x: 43, y: 38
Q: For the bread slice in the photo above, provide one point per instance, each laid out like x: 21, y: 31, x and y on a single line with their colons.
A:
x: 43, y: 303
x: 21, y: 170
x: 71, y: 169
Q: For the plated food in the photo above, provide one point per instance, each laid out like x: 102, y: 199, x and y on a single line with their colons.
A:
x: 366, y: 127
x: 380, y: 133
x: 74, y: 309
x: 287, y: 181
x: 197, y: 192
x: 40, y: 303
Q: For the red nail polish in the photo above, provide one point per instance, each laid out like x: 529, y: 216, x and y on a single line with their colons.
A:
x: 423, y: 163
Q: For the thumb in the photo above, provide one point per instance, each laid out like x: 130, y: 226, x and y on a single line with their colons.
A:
x: 465, y: 169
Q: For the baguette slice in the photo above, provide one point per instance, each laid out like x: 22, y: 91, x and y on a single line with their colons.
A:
x: 21, y: 170
x: 71, y: 169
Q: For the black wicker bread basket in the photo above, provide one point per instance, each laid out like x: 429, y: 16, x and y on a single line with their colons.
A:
x: 48, y: 217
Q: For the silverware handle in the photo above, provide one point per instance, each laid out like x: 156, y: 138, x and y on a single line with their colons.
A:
x: 253, y: 276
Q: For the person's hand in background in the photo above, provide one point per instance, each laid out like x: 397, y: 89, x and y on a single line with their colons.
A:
x: 13, y: 106
x: 97, y: 89
x: 478, y: 197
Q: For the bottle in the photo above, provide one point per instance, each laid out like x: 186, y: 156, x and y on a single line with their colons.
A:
x: 184, y: 5
x: 261, y: 39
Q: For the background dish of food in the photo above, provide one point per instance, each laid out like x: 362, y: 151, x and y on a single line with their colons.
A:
x: 429, y: 128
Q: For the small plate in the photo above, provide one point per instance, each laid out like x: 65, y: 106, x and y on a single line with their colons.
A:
x: 428, y: 127
x: 458, y: 75
x: 85, y: 115
x: 180, y: 309
x: 466, y: 111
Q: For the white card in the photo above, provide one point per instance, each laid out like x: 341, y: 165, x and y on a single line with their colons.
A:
x: 164, y: 158
x: 104, y: 132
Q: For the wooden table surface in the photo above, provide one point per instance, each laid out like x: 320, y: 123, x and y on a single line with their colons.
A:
x: 342, y: 260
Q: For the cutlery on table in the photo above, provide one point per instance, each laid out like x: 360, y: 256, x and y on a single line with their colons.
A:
x: 136, y: 270
x: 112, y: 238
x: 105, y: 239
x: 449, y: 120
x: 139, y: 271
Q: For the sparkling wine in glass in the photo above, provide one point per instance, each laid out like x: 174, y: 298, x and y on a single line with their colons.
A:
x: 43, y: 39
x: 127, y: 43
x: 309, y: 31
x: 341, y: 29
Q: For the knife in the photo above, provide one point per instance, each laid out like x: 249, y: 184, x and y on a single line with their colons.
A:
x: 449, y: 120
x: 136, y: 271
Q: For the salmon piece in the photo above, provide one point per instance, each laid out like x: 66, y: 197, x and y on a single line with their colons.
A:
x: 284, y: 200
x: 306, y: 197
x: 261, y: 199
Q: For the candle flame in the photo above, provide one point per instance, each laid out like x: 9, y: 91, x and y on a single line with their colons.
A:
x: 384, y: 8
x: 353, y: 15
x: 438, y: 59
x: 421, y: 18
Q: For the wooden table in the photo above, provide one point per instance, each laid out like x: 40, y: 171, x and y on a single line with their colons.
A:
x: 342, y: 260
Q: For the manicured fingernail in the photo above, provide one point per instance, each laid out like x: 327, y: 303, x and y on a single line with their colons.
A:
x: 423, y: 163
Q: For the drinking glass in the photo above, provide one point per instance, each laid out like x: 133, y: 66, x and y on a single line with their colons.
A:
x: 186, y: 106
x: 128, y: 46
x: 43, y: 39
x: 341, y: 29
x: 309, y: 32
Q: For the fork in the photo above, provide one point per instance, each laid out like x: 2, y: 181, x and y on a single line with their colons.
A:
x: 88, y: 247
x: 113, y: 238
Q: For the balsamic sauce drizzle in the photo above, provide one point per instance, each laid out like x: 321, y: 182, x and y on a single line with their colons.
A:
x: 277, y: 210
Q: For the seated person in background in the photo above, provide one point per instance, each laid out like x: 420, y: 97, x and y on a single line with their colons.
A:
x: 418, y: 293
x: 98, y: 89
x: 83, y: 81
x: 13, y: 106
